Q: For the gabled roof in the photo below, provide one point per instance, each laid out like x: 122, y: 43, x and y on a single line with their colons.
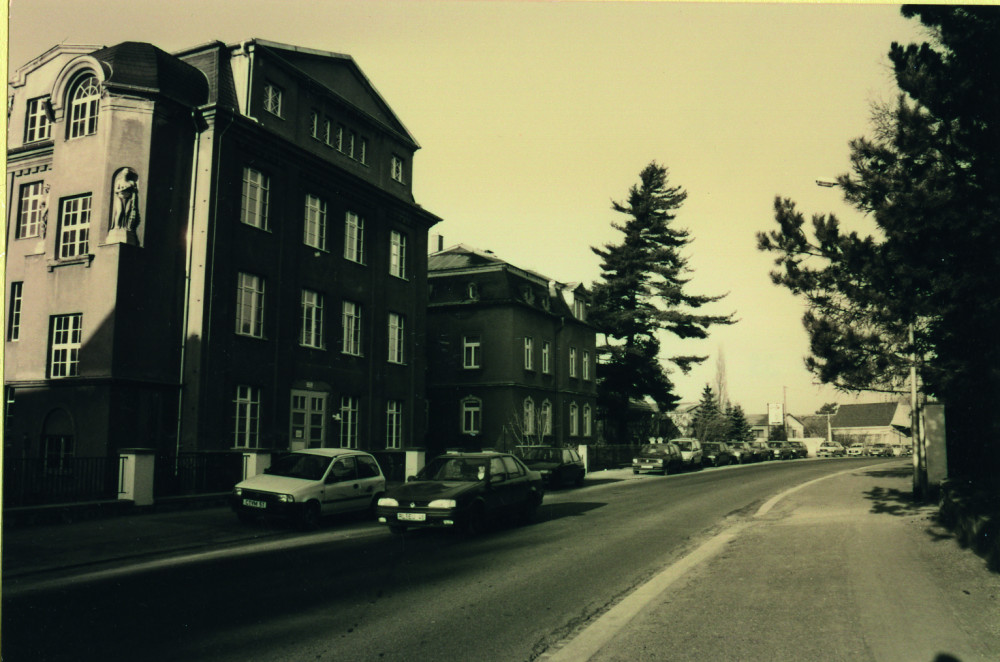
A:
x: 870, y: 415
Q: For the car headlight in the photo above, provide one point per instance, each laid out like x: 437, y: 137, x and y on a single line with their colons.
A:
x: 286, y: 498
x: 238, y: 491
x: 442, y: 503
x: 635, y: 460
x: 388, y: 503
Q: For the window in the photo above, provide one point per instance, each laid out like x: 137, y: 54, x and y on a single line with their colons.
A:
x: 395, y: 338
x: 58, y: 453
x: 352, y: 329
x: 64, y: 351
x: 529, y: 353
x: 472, y: 416
x: 472, y: 290
x: 250, y: 305
x: 587, y: 421
x: 246, y: 432
x: 32, y: 210
x: 327, y: 132
x: 580, y: 309
x: 340, y: 138
x: 574, y: 423
x: 394, y: 424
x: 572, y: 361
x: 36, y: 125
x: 314, y: 124
x: 349, y: 406
x: 74, y: 226
x: 351, y: 139
x: 309, y: 418
x: 546, y: 419
x: 314, y: 228
x: 312, y: 320
x: 256, y: 190
x: 529, y: 416
x: 546, y: 357
x: 397, y: 254
x: 272, y: 99
x: 471, y: 352
x: 83, y: 107
x: 354, y: 238
x: 397, y: 168
x: 586, y: 364
x: 14, y: 312
x: 363, y: 150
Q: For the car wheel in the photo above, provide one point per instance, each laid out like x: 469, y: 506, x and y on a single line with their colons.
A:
x: 635, y: 472
x: 397, y: 530
x: 583, y: 474
x: 370, y: 513
x: 309, y: 517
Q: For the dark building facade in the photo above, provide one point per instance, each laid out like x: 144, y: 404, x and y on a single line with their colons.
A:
x: 511, y: 357
x: 211, y: 249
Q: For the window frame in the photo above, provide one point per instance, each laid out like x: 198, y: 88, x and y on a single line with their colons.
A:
x: 273, y: 97
x: 311, y: 332
x: 547, y: 418
x: 397, y: 254
x: 74, y: 238
x: 314, y: 222
x: 314, y: 124
x: 306, y: 410
x: 585, y: 365
x: 588, y: 421
x: 246, y: 417
x: 529, y: 353
x: 37, y: 126
x: 529, y: 415
x: 350, y: 418
x: 397, y: 338
x: 572, y: 362
x: 16, y: 301
x: 83, y: 111
x: 472, y: 347
x: 31, y: 209
x: 396, y: 169
x: 256, y: 214
x: 250, y: 293
x: 472, y: 416
x: 394, y: 424
x: 65, y: 342
x: 574, y: 423
x: 354, y: 237
x: 351, y: 328
x: 546, y: 357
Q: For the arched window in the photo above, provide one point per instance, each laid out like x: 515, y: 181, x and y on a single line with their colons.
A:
x: 84, y: 101
x: 529, y: 416
x: 546, y: 418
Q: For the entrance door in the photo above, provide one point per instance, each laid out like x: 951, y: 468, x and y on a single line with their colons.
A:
x: 308, y: 420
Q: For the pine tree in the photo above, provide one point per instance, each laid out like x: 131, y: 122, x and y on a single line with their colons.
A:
x: 929, y: 177
x: 709, y: 423
x: 739, y: 427
x: 642, y: 293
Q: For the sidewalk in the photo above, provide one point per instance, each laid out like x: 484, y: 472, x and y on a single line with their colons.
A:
x: 845, y: 568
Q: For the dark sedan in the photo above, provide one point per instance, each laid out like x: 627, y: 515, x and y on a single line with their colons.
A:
x: 717, y: 454
x: 463, y: 490
x: 743, y: 452
x: 558, y: 466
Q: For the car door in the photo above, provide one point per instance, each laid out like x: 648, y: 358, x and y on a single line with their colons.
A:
x: 370, y: 481
x: 341, y: 487
x: 498, y: 495
x: 517, y: 482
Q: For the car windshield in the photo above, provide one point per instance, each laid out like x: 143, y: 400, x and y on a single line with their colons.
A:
x: 300, y: 465
x: 685, y: 445
x: 775, y: 444
x: 541, y: 454
x: 455, y: 469
x: 711, y: 447
x: 655, y: 449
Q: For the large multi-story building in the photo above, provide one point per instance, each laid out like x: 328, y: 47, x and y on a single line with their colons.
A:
x: 511, y: 357
x: 212, y: 249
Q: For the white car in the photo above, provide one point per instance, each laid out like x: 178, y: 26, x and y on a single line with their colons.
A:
x: 855, y: 450
x: 690, y: 452
x: 304, y: 485
x: 830, y: 449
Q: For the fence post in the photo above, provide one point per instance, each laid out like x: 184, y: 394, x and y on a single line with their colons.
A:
x: 255, y: 461
x: 415, y: 460
x: 135, y: 475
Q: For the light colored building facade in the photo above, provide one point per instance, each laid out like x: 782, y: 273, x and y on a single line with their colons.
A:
x: 212, y: 249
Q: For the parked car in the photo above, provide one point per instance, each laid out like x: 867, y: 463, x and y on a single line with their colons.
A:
x: 830, y: 449
x: 304, y: 485
x: 742, y: 452
x: 780, y: 450
x: 762, y: 451
x: 691, y: 454
x: 856, y: 450
x: 880, y: 450
x: 463, y: 490
x: 661, y: 458
x: 799, y: 449
x: 558, y: 466
x: 717, y: 454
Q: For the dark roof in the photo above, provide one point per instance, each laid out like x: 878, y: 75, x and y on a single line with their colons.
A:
x: 135, y: 64
x: 461, y: 257
x: 870, y: 415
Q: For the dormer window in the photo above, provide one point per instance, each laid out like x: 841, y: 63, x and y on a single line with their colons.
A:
x: 580, y: 310
x: 272, y: 99
x: 84, y: 103
x: 397, y: 169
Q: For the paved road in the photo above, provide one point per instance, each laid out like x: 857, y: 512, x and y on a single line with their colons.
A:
x: 354, y: 592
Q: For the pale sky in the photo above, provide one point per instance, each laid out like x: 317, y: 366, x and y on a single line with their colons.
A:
x: 534, y: 116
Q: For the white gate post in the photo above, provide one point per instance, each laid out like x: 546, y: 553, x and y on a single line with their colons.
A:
x: 135, y: 475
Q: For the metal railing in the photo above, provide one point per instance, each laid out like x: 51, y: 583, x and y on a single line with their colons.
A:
x: 601, y: 457
x: 42, y: 481
x: 196, y: 472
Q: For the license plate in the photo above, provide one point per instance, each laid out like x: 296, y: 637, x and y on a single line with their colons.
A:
x: 250, y: 503
x: 412, y: 517
x: 649, y: 466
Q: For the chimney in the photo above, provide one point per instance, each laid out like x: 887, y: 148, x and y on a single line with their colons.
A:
x: 435, y: 243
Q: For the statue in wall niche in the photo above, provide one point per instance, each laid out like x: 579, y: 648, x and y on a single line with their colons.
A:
x: 125, y: 214
x: 125, y: 210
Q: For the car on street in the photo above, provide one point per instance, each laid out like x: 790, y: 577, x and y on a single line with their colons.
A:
x: 742, y: 452
x: 717, y: 454
x: 856, y: 450
x: 664, y: 458
x: 558, y: 466
x: 463, y: 490
x: 830, y: 449
x: 799, y: 449
x: 762, y: 450
x: 690, y: 452
x: 307, y: 484
x: 880, y: 450
x: 780, y: 450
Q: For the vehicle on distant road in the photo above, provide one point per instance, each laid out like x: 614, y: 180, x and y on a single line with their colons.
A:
x: 690, y: 452
x: 880, y: 450
x: 856, y: 450
x: 466, y: 491
x: 742, y: 452
x: 305, y: 485
x: 762, y: 451
x: 830, y: 449
x: 558, y: 466
x: 780, y: 450
x: 717, y: 454
x: 799, y: 449
x: 662, y: 458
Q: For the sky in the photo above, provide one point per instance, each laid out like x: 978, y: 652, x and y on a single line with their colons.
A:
x: 534, y: 116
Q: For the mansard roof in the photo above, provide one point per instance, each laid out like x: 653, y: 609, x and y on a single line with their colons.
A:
x: 142, y: 67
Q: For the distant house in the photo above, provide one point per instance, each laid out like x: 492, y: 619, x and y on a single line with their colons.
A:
x: 683, y: 417
x: 872, y: 423
x: 758, y: 423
